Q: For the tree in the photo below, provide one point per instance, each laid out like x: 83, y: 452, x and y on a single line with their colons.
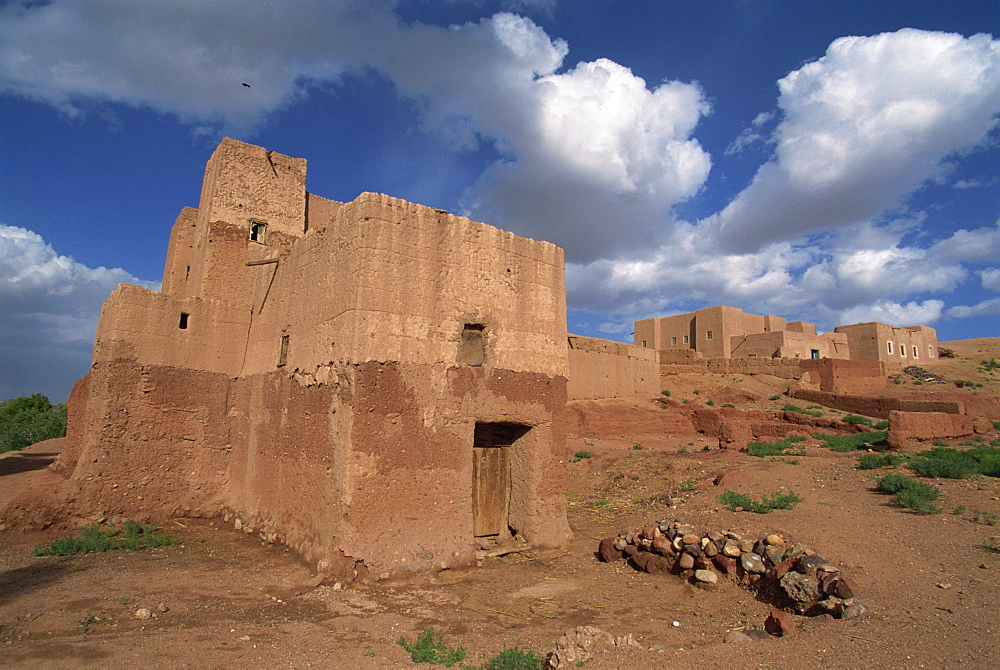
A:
x: 30, y: 419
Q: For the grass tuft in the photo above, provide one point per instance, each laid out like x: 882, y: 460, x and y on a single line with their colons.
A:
x: 429, y: 647
x: 909, y: 493
x: 515, y: 659
x: 580, y: 455
x: 951, y: 463
x: 845, y: 443
x: 883, y: 460
x: 92, y: 539
x: 765, y: 505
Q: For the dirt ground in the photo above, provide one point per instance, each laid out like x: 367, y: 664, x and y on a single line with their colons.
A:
x: 221, y: 598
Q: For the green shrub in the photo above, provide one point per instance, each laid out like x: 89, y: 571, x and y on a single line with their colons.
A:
x: 580, y: 455
x: 780, y: 448
x: 515, y: 659
x: 990, y: 365
x: 30, y: 419
x: 776, y: 500
x: 795, y: 408
x: 845, y: 443
x: 881, y: 425
x: 909, y: 493
x: 638, y: 447
x: 729, y: 404
x: 696, y: 392
x: 991, y: 546
x: 951, y: 463
x: 92, y: 539
x: 775, y: 397
x: 883, y: 460
x: 429, y: 647
x: 861, y: 420
x: 665, y: 393
x: 710, y: 403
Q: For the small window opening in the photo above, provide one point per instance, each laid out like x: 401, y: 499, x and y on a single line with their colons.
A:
x: 187, y: 272
x: 183, y: 323
x: 889, y: 345
x: 930, y: 352
x: 708, y: 335
x: 673, y: 340
x: 685, y: 339
x: 283, y: 351
x: 473, y: 345
x: 814, y: 354
x: 915, y: 352
x: 902, y: 350
x: 257, y: 231
x: 644, y: 343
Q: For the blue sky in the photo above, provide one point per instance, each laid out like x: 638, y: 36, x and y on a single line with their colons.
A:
x: 835, y: 162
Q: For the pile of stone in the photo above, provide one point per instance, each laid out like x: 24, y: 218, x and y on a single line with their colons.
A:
x: 789, y: 575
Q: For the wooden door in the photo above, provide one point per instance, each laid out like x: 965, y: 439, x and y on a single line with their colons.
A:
x: 490, y: 490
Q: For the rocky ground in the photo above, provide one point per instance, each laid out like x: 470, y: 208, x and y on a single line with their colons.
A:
x: 219, y: 598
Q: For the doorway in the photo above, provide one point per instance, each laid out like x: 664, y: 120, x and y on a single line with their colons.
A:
x: 493, y: 450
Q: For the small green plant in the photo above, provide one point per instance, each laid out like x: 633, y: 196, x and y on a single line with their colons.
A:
x: 92, y: 539
x: 780, y: 448
x: 682, y: 450
x: 990, y: 365
x: 883, y: 460
x: 515, y: 659
x: 685, y: 402
x: 826, y: 504
x: 580, y: 455
x: 846, y: 443
x: 637, y: 447
x: 951, y: 463
x: 776, y: 396
x: 710, y: 403
x: 729, y: 404
x: 765, y: 505
x: 991, y: 546
x: 666, y: 393
x: 87, y: 622
x: 860, y: 420
x: 696, y: 392
x: 962, y: 383
x: 959, y: 511
x: 601, y: 503
x: 368, y: 651
x: 979, y: 516
x: 909, y: 493
x: 687, y: 485
x: 429, y: 647
x: 789, y: 407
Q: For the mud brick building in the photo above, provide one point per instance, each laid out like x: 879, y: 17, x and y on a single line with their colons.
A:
x: 379, y: 385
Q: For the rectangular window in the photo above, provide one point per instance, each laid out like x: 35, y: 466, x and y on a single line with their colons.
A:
x: 708, y: 335
x: 473, y: 346
x: 914, y: 352
x: 283, y: 351
x: 257, y: 231
x: 902, y: 350
x: 889, y: 344
x: 685, y: 339
x: 814, y: 354
x: 644, y: 343
x: 183, y: 324
x: 673, y: 340
x: 930, y: 352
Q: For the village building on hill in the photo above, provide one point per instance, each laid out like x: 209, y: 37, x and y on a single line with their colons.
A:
x: 729, y: 332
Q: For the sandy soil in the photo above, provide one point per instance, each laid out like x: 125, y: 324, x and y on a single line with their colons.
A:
x: 230, y: 600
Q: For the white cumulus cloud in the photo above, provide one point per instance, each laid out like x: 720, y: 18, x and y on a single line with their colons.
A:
x: 50, y: 304
x: 863, y: 127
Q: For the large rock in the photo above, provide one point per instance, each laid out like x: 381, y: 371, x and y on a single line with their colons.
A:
x: 607, y: 551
